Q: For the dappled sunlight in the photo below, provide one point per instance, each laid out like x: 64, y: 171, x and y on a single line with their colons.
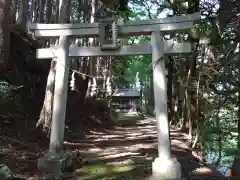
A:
x: 95, y: 132
x: 89, y: 138
x: 206, y: 172
x: 123, y: 168
x: 179, y: 135
x: 127, y: 152
x: 202, y: 170
x: 102, y: 171
x: 178, y: 150
x: 120, y: 152
x: 180, y: 144
x: 93, y: 170
x: 118, y: 155
x: 115, y: 166
x: 147, y: 121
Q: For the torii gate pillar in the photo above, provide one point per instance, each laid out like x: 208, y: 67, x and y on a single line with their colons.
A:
x: 164, y: 166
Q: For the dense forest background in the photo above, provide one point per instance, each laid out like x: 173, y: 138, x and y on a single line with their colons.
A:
x: 203, y: 87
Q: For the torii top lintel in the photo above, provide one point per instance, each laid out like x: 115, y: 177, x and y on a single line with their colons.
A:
x: 135, y: 28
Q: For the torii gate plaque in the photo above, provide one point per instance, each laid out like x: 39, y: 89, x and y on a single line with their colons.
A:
x: 165, y: 166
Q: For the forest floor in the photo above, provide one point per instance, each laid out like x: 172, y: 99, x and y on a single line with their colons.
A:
x: 123, y: 152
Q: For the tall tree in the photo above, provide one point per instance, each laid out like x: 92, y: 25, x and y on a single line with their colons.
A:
x: 4, y: 34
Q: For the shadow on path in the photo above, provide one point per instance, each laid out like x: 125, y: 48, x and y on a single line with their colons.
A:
x: 127, y: 151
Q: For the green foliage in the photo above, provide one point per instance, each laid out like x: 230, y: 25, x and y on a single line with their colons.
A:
x: 231, y: 151
x: 5, y: 92
x: 130, y: 65
x: 8, y: 99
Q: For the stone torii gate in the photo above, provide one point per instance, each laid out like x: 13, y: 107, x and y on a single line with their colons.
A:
x: 164, y: 166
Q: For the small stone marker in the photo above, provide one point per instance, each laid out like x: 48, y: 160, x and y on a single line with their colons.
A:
x: 5, y: 172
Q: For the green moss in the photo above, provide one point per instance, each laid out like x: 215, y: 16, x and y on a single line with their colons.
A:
x: 113, y: 170
x: 123, y: 168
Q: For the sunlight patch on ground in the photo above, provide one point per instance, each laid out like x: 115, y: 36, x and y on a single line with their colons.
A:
x: 129, y: 117
x: 119, y: 160
x: 94, y: 169
x: 120, y: 155
x: 91, y: 171
x: 123, y: 162
x: 123, y: 168
x: 201, y: 171
x: 102, y: 171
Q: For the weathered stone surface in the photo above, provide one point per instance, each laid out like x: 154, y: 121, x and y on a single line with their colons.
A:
x: 166, y: 169
x: 5, y: 172
x: 53, y: 166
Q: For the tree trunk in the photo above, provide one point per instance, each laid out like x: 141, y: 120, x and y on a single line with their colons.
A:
x: 236, y: 162
x: 22, y: 20
x: 13, y: 12
x: 4, y: 35
x: 92, y: 42
x: 46, y: 113
x: 219, y: 137
x: 169, y: 87
x: 238, y: 140
x: 49, y: 11
x: 180, y: 90
x: 33, y: 11
x: 41, y: 11
x: 236, y: 167
x: 193, y: 7
x: 198, y: 106
x: 150, y: 105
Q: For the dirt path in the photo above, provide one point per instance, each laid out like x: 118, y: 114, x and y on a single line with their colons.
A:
x: 124, y: 152
x: 127, y: 152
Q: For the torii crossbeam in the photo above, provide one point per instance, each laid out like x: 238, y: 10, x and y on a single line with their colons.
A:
x: 170, y: 48
x: 165, y: 166
x: 129, y: 28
